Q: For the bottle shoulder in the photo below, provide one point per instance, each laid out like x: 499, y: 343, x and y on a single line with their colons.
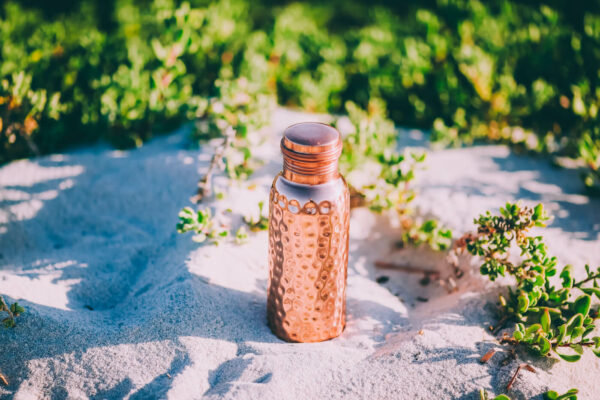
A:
x: 334, y: 190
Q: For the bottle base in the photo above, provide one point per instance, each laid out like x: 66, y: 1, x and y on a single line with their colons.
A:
x: 305, y: 337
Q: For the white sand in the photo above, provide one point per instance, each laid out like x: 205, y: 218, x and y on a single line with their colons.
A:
x: 94, y: 228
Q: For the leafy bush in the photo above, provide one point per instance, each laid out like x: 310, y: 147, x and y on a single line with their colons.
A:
x: 46, y: 70
x: 548, y: 317
x: 311, y: 61
x: 523, y: 73
x: 13, y: 310
x: 380, y: 177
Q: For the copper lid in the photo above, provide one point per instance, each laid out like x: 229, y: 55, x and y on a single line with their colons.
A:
x: 310, y: 152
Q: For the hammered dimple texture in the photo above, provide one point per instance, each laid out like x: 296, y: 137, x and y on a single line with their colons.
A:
x: 308, y: 258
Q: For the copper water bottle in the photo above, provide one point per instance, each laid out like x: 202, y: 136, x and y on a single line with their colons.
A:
x: 308, y: 237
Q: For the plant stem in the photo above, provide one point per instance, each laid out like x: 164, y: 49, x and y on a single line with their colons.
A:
x: 501, y: 324
x: 205, y: 183
x: 589, y: 343
x: 514, y: 377
x: 589, y: 278
x: 5, y: 307
x: 406, y: 268
x: 3, y: 379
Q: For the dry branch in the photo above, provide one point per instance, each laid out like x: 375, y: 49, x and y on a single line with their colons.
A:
x: 514, y: 377
x: 205, y: 183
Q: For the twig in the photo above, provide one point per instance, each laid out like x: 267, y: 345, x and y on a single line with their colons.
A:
x: 3, y: 379
x: 501, y: 324
x: 448, y: 283
x: 6, y: 308
x: 573, y: 344
x: 406, y: 268
x: 506, y: 338
x: 487, y: 356
x: 205, y: 183
x: 589, y: 278
x: 453, y: 255
x: 514, y: 377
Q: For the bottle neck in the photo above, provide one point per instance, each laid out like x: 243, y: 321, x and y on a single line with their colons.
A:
x: 311, y: 168
x: 309, y: 179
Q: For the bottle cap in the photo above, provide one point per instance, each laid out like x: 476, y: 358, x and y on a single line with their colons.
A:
x: 311, y: 149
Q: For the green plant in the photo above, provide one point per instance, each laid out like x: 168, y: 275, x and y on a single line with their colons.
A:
x: 549, y: 395
x: 20, y: 110
x: 151, y: 88
x: 244, y: 108
x: 201, y: 223
x: 258, y: 222
x: 310, y: 71
x: 13, y: 310
x: 589, y: 152
x: 549, y: 319
x: 238, y: 113
x: 429, y: 232
x: 571, y: 394
x: 380, y: 177
x: 241, y: 235
x: 467, y: 70
x: 47, y: 68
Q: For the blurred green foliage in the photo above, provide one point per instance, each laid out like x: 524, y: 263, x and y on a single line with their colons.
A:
x: 380, y: 177
x: 525, y: 73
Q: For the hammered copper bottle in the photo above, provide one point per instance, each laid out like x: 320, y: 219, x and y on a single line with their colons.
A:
x: 308, y: 237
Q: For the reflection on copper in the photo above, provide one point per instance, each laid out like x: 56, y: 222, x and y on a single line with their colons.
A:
x: 308, y: 237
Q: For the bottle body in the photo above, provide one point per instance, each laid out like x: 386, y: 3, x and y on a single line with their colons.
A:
x: 308, y: 258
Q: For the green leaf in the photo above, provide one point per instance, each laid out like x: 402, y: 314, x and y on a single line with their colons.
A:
x: 546, y: 321
x: 502, y: 397
x: 566, y: 277
x: 533, y: 329
x: 544, y: 345
x: 550, y: 395
x: 186, y: 212
x: 589, y: 327
x: 429, y: 225
x: 577, y: 332
x: 518, y: 335
x: 576, y: 321
x: 569, y: 358
x: 523, y: 303
x: 9, y: 322
x: 591, y: 291
x: 538, y: 212
x: 520, y: 327
x: 569, y: 395
x: 577, y: 348
x: 582, y: 304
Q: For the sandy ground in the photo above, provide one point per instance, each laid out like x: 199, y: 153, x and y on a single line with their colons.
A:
x: 121, y: 306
